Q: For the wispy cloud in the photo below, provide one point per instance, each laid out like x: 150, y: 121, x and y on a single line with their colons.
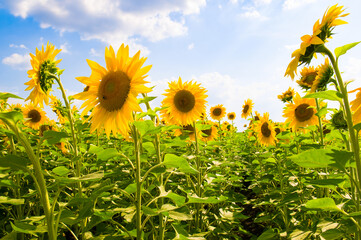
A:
x: 17, y: 61
x: 252, y: 13
x: 64, y: 47
x: 18, y: 46
x: 293, y: 4
x: 191, y: 46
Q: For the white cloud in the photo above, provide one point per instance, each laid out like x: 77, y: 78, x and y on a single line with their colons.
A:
x: 94, y: 52
x: 18, y: 46
x: 64, y: 47
x: 261, y: 2
x: 252, y: 13
x: 191, y: 46
x: 18, y: 61
x: 293, y: 4
x: 233, y: 1
x: 111, y: 21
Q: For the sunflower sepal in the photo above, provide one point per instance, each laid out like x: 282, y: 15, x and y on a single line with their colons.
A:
x: 343, y: 49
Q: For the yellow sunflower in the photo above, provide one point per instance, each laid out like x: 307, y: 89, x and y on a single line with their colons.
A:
x: 308, y: 76
x: 301, y: 113
x: 292, y: 66
x: 209, y: 134
x: 266, y: 134
x: 58, y: 108
x: 16, y: 107
x: 34, y: 116
x: 185, y: 102
x: 287, y: 96
x: 113, y: 90
x: 355, y: 106
x: 186, y: 130
x: 218, y: 112
x: 331, y: 19
x: 43, y: 63
x: 325, y: 72
x: 231, y: 116
x: 247, y: 108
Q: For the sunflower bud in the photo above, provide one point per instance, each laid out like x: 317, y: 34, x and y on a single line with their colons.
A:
x: 338, y: 120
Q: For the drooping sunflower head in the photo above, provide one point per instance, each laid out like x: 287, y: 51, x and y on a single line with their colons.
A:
x: 338, y: 120
x: 301, y: 113
x: 287, y: 96
x: 247, y: 108
x: 44, y: 66
x: 210, y: 133
x: 58, y: 109
x: 113, y: 90
x: 308, y: 76
x: 35, y: 116
x: 231, y: 116
x: 185, y: 102
x: 265, y: 130
x: 218, y: 112
x: 325, y: 72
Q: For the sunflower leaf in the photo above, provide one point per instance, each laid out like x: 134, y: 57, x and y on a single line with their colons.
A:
x: 12, y: 117
x: 54, y: 137
x: 323, y: 204
x: 343, y: 49
x: 328, y: 95
x: 5, y: 96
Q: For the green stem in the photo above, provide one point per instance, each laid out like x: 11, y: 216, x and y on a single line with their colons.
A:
x: 198, y: 217
x: 319, y: 122
x: 138, y: 183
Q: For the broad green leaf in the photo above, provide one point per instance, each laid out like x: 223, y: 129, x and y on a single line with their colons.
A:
x: 300, y: 235
x: 131, y: 188
x: 177, y: 199
x: 14, y: 162
x: 326, y: 183
x: 332, y: 234
x: 322, y: 204
x: 173, y: 161
x: 322, y: 112
x: 61, y: 171
x: 10, y: 236
x: 180, y: 216
x: 149, y: 211
x: 329, y: 95
x: 104, y: 154
x: 146, y: 127
x: 5, y: 96
x: 322, y: 158
x: 28, y: 228
x: 88, y: 177
x: 54, y: 137
x: 343, y: 49
x: 12, y: 117
x: 12, y: 201
x: 149, y: 147
x: 211, y: 200
x: 268, y: 235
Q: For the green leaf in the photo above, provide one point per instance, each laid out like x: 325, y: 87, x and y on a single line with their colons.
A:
x: 61, y: 171
x: 146, y: 127
x: 211, y: 200
x: 329, y: 95
x: 12, y: 201
x: 322, y: 112
x: 10, y: 236
x: 14, y: 162
x: 322, y: 158
x: 173, y: 161
x: 269, y: 234
x: 104, y: 154
x: 5, y: 96
x: 149, y: 147
x: 54, y: 137
x: 357, y: 127
x: 326, y: 183
x: 12, y: 117
x: 322, y: 204
x: 28, y: 228
x: 146, y: 99
x: 342, y: 50
x: 300, y: 235
x: 332, y: 234
x: 180, y: 216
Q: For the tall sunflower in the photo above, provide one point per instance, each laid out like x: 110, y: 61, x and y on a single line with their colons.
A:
x: 43, y: 63
x: 301, y: 113
x: 35, y: 116
x: 231, y: 116
x: 218, y: 112
x: 247, y: 108
x: 113, y: 90
x: 185, y: 102
x: 266, y: 134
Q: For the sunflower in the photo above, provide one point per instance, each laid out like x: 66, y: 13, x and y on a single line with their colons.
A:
x: 16, y: 107
x: 231, y: 116
x: 301, y: 113
x: 329, y: 20
x: 355, y: 106
x: 35, y: 116
x: 308, y: 76
x: 209, y: 134
x: 325, y: 72
x: 113, y: 90
x: 247, y: 108
x: 58, y: 108
x: 185, y: 101
x: 186, y: 130
x: 218, y: 112
x: 287, y: 96
x: 266, y: 133
x: 43, y: 63
x: 292, y: 66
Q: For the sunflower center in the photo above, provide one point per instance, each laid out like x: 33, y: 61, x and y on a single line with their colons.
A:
x: 113, y: 90
x: 231, y: 116
x: 34, y: 116
x: 46, y: 80
x: 188, y: 128
x: 245, y: 109
x: 86, y: 89
x: 256, y: 118
x: 277, y: 130
x: 303, y: 112
x: 184, y: 101
x: 265, y: 130
x: 217, y: 112
x: 309, y: 78
x: 208, y: 132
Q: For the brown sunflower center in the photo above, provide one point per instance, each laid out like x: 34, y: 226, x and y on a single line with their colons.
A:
x: 309, y: 78
x: 184, y: 101
x: 113, y: 90
x: 256, y: 118
x: 303, y: 112
x: 86, y: 89
x: 265, y: 130
x: 208, y: 132
x: 245, y: 109
x: 231, y: 116
x: 217, y: 112
x: 277, y: 130
x: 188, y: 128
x: 34, y: 116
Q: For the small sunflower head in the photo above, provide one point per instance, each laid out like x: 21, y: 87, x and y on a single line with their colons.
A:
x: 247, y: 108
x: 287, y: 96
x: 324, y: 75
x: 308, y: 76
x: 231, y: 116
x: 218, y: 112
x: 338, y: 120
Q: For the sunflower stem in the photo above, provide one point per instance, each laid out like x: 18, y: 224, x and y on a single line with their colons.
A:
x: 198, y: 217
x: 319, y: 122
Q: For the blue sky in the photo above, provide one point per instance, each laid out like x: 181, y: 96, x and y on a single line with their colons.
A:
x: 235, y: 49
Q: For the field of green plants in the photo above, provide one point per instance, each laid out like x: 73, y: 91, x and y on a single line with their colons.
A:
x: 177, y: 171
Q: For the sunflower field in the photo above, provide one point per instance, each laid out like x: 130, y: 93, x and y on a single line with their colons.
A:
x: 121, y: 168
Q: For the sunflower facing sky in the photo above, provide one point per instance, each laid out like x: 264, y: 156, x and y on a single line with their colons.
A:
x: 43, y: 63
x: 218, y: 112
x: 231, y: 116
x: 113, y: 91
x: 185, y: 102
x: 247, y: 108
x: 34, y: 116
x: 266, y: 134
x: 301, y: 113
